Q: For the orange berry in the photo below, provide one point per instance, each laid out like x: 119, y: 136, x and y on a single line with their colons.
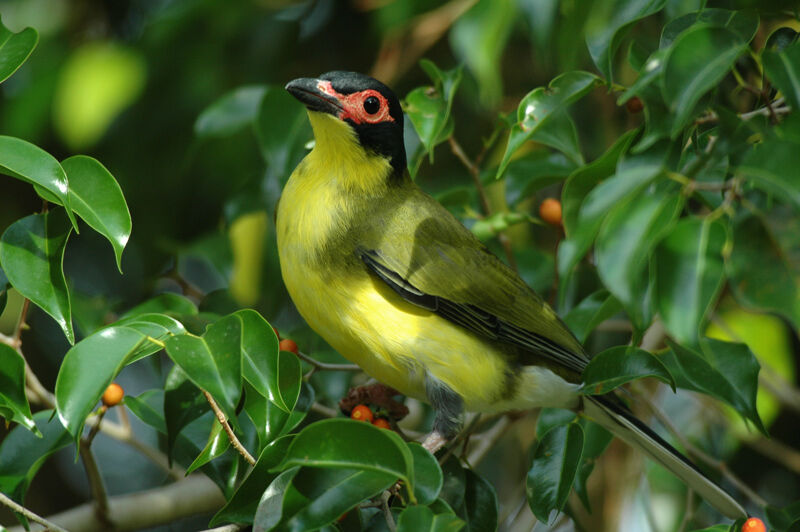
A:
x: 382, y: 423
x: 288, y: 345
x: 550, y: 211
x: 113, y: 394
x: 754, y: 524
x: 277, y: 333
x: 634, y: 105
x: 361, y: 413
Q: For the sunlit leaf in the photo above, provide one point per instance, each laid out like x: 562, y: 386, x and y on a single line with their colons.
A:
x: 218, y: 443
x: 15, y: 49
x: 428, y: 108
x: 621, y: 364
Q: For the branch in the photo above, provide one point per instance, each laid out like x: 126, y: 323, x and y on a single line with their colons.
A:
x: 324, y: 366
x: 146, y: 509
x: 29, y: 514
x: 96, y: 485
x: 228, y: 430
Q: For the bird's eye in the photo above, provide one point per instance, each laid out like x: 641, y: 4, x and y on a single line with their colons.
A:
x: 372, y: 105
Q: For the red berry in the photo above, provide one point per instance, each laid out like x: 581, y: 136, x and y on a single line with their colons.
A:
x: 634, y: 105
x: 288, y: 345
x: 550, y: 211
x: 382, y: 423
x: 361, y: 413
x: 113, y: 394
x: 754, y: 524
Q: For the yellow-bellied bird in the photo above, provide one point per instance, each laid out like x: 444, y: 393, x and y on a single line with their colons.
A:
x: 390, y: 279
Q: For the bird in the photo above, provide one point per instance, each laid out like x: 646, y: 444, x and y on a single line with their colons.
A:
x: 396, y: 284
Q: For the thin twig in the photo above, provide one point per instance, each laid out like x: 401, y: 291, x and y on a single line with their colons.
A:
x: 23, y: 314
x: 5, y: 500
x: 475, y: 173
x: 487, y: 440
x: 324, y: 366
x: 387, y: 512
x: 98, y: 422
x: 688, y: 513
x: 228, y: 430
x: 96, y: 484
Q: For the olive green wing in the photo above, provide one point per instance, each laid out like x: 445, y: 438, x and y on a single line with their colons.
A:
x: 431, y: 260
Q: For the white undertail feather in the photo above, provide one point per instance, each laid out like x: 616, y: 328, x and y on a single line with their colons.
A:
x: 619, y: 423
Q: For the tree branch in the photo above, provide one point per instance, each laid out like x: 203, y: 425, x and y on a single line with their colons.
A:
x: 228, y: 430
x: 29, y: 514
x: 196, y: 494
x: 324, y: 366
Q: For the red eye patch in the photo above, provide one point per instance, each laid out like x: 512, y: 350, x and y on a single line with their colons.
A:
x: 353, y: 105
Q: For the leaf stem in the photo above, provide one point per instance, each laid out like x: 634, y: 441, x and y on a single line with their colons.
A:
x: 323, y: 366
x: 36, y: 518
x: 387, y: 512
x: 228, y: 430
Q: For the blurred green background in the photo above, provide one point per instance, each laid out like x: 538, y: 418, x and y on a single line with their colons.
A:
x: 126, y: 81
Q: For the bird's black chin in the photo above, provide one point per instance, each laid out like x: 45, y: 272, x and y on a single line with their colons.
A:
x: 307, y: 91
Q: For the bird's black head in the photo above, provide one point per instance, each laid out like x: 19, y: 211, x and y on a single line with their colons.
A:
x: 369, y: 106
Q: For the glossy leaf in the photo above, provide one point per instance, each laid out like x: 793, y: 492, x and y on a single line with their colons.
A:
x: 605, y: 33
x: 149, y: 407
x: 15, y: 49
x: 427, y: 474
x: 621, y: 364
x: 591, y: 312
x: 166, y: 303
x: 543, y: 106
x: 428, y: 108
x: 217, y: 444
x: 96, y: 197
x: 760, y: 273
x: 628, y: 235
x: 532, y: 172
x: 32, y: 255
x: 282, y: 147
x: 183, y: 404
x: 270, y: 506
x: 689, y: 275
x: 783, y: 69
x: 743, y: 23
x: 14, y: 405
x: 423, y: 519
x: 344, y: 443
x: 772, y: 166
x: 276, y: 375
x: 596, y: 440
x: 555, y: 464
x: 32, y: 164
x: 213, y: 362
x: 87, y: 370
x: 22, y: 453
x: 697, y: 62
x: 724, y: 370
x: 156, y: 326
x: 242, y: 506
x: 582, y: 180
x: 479, y: 510
x: 231, y: 112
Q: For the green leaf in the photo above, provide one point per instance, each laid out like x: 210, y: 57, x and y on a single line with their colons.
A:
x: 689, y: 275
x: 166, y: 303
x: 422, y: 519
x: 427, y: 473
x: 743, y: 23
x: 30, y: 163
x: 15, y: 49
x: 183, y: 404
x: 783, y: 518
x: 783, y: 69
x: 32, y: 255
x: 591, y: 312
x: 428, y: 108
x: 270, y: 507
x: 479, y: 510
x: 555, y: 464
x: 617, y: 365
x: 157, y: 326
x: 276, y: 375
x: 596, y: 440
x: 532, y: 172
x: 454, y: 483
x: 608, y: 26
x: 14, y: 405
x: 213, y: 362
x: 542, y: 108
x: 242, y: 506
x: 282, y: 130
x: 22, y: 453
x: 344, y: 443
x: 582, y: 180
x: 697, y: 62
x: 96, y: 197
x: 628, y: 235
x: 149, y: 407
x: 478, y: 39
x: 772, y: 166
x: 724, y: 370
x: 217, y: 444
x: 231, y: 112
x: 87, y: 370
x: 760, y: 273
x: 553, y: 417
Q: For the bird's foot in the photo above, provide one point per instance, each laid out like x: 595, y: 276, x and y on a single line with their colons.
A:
x: 434, y: 441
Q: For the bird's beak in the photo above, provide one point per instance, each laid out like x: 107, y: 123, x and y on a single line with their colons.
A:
x: 316, y: 94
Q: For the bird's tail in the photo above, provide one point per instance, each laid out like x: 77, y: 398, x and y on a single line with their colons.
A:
x: 618, y: 420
